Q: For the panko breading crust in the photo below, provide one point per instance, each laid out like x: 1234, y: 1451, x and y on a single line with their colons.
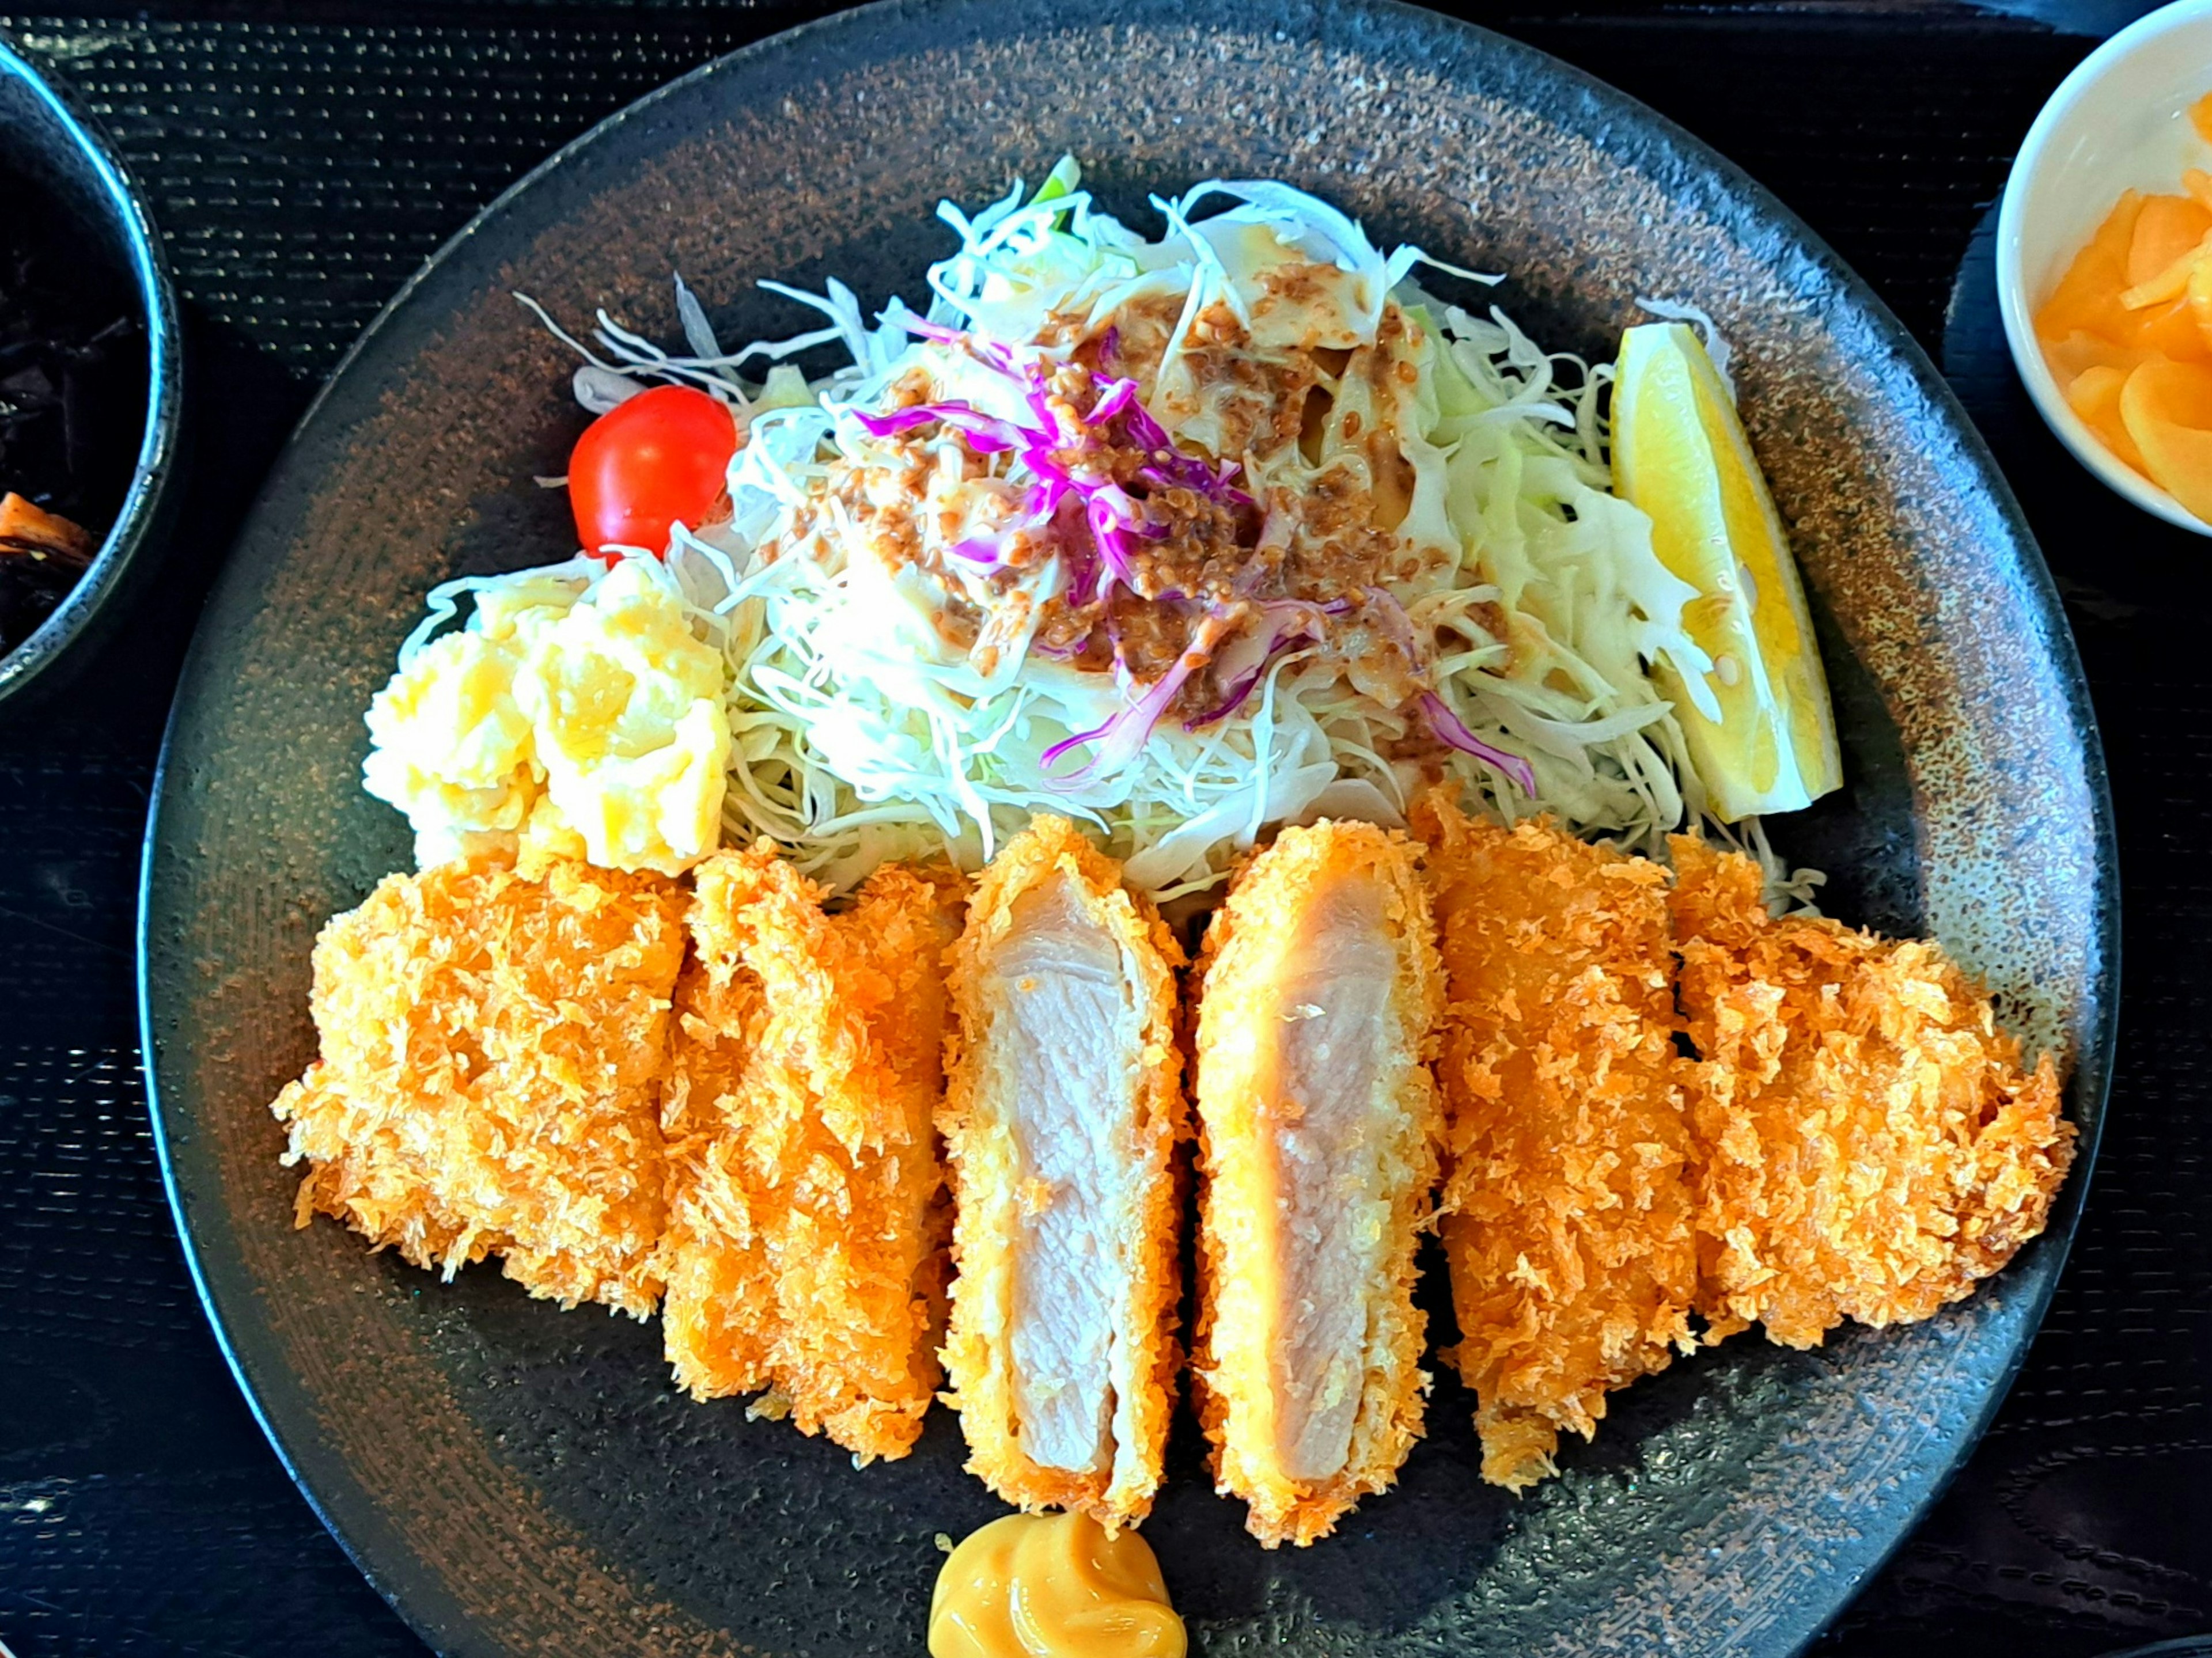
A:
x: 806, y: 1233
x: 492, y: 1051
x: 984, y: 1173
x: 1237, y: 1126
x: 1871, y: 1147
x: 1568, y: 1209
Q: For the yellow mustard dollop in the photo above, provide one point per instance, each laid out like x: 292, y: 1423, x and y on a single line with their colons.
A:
x: 569, y: 724
x: 1053, y: 1585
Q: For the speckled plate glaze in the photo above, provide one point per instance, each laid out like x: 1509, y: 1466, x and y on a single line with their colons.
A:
x: 520, y: 1480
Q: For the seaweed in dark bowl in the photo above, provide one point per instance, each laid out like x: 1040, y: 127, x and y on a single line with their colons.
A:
x: 72, y: 402
x: 91, y: 379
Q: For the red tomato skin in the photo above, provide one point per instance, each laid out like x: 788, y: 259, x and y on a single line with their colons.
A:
x: 658, y: 460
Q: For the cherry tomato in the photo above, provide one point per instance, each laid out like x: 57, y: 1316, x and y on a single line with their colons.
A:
x: 661, y: 459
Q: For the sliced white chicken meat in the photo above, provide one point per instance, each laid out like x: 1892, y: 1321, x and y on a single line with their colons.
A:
x: 1068, y: 1038
x: 1062, y: 1111
x: 1319, y: 1121
x: 1333, y: 1202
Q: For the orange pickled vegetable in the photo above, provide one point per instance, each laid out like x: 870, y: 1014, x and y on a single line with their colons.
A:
x: 2095, y: 396
x: 2170, y: 281
x: 2200, y: 301
x: 2166, y: 330
x: 2168, y: 228
x: 2087, y: 297
x: 2127, y: 332
x: 2167, y: 408
x: 2078, y: 353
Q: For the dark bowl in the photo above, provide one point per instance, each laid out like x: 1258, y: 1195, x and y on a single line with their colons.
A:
x: 48, y: 138
x: 521, y: 1480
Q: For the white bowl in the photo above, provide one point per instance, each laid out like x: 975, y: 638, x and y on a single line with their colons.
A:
x: 2120, y: 121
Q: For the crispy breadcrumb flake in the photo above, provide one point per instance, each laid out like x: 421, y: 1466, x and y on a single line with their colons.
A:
x: 1318, y: 1130
x: 1568, y: 1209
x: 1872, y: 1148
x: 492, y: 1053
x: 804, y: 1252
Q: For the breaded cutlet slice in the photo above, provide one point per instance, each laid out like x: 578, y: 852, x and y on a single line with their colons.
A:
x: 1318, y: 1130
x: 1568, y: 1207
x: 1063, y: 1110
x: 804, y: 1247
x: 1871, y: 1146
x: 492, y: 1053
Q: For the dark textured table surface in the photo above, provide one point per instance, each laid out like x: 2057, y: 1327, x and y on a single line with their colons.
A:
x: 304, y: 158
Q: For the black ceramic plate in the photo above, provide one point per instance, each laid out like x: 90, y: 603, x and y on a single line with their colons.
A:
x: 521, y: 1480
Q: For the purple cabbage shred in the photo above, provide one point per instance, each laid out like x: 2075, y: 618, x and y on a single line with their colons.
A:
x: 1450, y: 728
x: 1121, y: 739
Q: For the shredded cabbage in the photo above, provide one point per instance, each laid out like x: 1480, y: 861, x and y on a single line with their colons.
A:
x: 859, y: 735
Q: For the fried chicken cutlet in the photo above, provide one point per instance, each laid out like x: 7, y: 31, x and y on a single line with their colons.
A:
x: 492, y: 1053
x: 1061, y: 1120
x: 804, y: 1252
x: 1567, y: 1211
x: 1871, y: 1146
x: 1318, y: 1126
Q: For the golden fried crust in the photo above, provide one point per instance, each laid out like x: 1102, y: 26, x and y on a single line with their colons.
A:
x: 1244, y: 1113
x: 1567, y: 1210
x: 804, y: 1247
x: 1872, y: 1148
x: 492, y: 1053
x: 984, y: 1174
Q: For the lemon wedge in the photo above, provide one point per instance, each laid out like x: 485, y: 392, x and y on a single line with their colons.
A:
x: 1760, y: 731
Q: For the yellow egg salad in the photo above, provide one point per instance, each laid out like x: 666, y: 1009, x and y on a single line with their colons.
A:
x: 571, y: 717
